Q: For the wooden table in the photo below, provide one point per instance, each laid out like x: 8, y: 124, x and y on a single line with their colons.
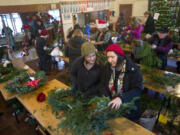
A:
x: 152, y: 85
x: 43, y: 114
x: 41, y: 110
x: 9, y: 95
x: 123, y: 126
x: 66, y: 59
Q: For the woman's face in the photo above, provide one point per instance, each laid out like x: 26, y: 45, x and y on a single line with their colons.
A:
x: 91, y: 58
x: 112, y: 58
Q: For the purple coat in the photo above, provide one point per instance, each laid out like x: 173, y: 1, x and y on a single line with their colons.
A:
x: 137, y: 33
x: 163, y: 45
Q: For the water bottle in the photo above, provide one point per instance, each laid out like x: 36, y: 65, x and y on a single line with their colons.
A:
x: 61, y: 64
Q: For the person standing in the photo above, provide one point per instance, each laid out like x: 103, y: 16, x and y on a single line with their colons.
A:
x: 149, y: 26
x: 74, y: 47
x: 103, y: 36
x: 162, y: 44
x: 40, y: 49
x: 121, y: 23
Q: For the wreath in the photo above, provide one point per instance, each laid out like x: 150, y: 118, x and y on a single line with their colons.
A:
x: 7, y: 73
x: 26, y: 82
x: 84, y: 116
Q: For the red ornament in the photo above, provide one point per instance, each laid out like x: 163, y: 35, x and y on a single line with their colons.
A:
x: 41, y: 97
x: 26, y: 26
x: 33, y: 83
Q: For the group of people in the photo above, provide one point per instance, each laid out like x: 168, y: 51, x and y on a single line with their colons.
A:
x: 120, y: 78
x: 158, y: 38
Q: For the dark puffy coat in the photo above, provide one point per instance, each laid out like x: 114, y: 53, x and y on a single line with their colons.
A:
x: 43, y: 57
x: 149, y: 25
x: 74, y: 48
x: 86, y: 81
x: 132, y: 85
x: 163, y: 47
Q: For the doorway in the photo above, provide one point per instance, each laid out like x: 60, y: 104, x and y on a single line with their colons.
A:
x: 126, y: 9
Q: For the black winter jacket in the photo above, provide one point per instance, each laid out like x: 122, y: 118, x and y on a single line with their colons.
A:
x: 149, y: 25
x: 132, y: 82
x: 86, y: 81
x: 74, y: 49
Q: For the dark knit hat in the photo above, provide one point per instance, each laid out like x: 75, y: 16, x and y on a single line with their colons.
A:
x: 115, y: 48
x: 87, y: 48
x: 163, y: 29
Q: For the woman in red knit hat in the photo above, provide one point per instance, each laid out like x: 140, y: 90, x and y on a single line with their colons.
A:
x: 122, y: 80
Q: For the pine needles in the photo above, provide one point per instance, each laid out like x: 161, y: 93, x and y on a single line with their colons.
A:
x: 149, y: 56
x: 85, y: 116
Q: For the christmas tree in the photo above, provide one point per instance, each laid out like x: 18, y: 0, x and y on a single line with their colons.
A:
x: 165, y: 18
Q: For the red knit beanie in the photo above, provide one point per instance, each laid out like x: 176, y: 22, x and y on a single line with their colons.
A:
x: 44, y: 32
x: 115, y: 48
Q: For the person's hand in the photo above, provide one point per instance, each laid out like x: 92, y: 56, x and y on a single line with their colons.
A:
x: 154, y: 46
x: 93, y: 42
x: 170, y: 51
x: 115, y: 103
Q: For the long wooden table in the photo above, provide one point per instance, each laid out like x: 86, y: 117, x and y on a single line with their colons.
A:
x: 9, y: 95
x: 148, y: 83
x: 43, y: 113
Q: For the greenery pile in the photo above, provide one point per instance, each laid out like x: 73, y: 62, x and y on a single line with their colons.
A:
x: 7, y: 73
x: 161, y: 80
x: 84, y: 116
x: 149, y: 57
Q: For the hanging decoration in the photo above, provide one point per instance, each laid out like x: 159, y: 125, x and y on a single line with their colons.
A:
x: 84, y: 116
x: 26, y: 82
x: 83, y: 6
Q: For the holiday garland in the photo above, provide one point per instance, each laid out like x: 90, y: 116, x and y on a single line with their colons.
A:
x: 84, y: 116
x: 26, y: 82
x: 7, y: 73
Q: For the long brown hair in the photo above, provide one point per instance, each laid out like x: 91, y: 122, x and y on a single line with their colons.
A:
x: 135, y: 22
x: 77, y: 32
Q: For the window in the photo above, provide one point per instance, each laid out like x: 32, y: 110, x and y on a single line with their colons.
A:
x: 55, y: 14
x: 13, y: 21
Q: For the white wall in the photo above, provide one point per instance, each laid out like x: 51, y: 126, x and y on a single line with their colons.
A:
x: 138, y: 7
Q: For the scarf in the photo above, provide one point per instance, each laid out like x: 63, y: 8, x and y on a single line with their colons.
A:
x: 119, y: 90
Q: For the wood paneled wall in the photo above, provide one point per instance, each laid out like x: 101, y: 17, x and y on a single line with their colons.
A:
x: 27, y: 8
